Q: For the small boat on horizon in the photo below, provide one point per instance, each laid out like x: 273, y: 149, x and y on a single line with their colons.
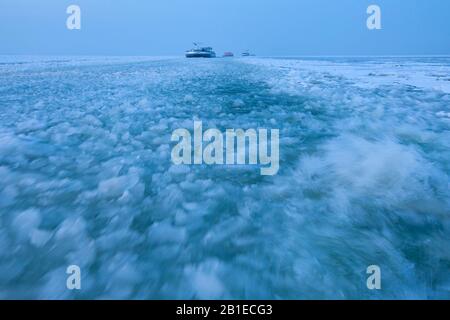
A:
x: 200, y: 52
x: 247, y: 54
x: 228, y: 54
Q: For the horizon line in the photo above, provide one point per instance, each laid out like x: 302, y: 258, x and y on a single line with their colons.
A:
x: 257, y: 56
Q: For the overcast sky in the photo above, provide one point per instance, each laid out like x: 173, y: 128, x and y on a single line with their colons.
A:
x: 266, y: 27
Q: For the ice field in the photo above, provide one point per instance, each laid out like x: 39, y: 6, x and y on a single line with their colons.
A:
x: 86, y: 178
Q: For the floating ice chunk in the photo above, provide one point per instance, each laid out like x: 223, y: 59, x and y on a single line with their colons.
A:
x: 238, y: 103
x: 120, y: 276
x: 39, y: 238
x: 205, y: 280
x: 138, y: 190
x: 39, y: 104
x: 93, y: 121
x: 9, y: 144
x: 163, y: 152
x: 111, y: 168
x: 8, y: 195
x: 179, y: 170
x: 30, y: 125
x: 71, y: 228
x: 443, y: 114
x: 164, y: 232
x: 115, y: 187
x: 224, y: 231
x: 181, y: 218
x: 188, y: 98
x: 26, y: 222
x: 143, y: 103
x: 5, y: 173
x: 160, y: 127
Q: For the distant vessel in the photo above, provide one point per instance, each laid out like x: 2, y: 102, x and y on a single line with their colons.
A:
x: 200, y: 52
x: 247, y: 54
x: 228, y: 54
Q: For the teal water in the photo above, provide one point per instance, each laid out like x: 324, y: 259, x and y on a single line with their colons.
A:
x: 86, y: 178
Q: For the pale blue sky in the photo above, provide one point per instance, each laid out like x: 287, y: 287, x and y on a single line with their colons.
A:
x: 266, y: 27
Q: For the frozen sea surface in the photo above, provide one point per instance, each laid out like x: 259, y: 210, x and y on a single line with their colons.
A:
x: 86, y: 178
